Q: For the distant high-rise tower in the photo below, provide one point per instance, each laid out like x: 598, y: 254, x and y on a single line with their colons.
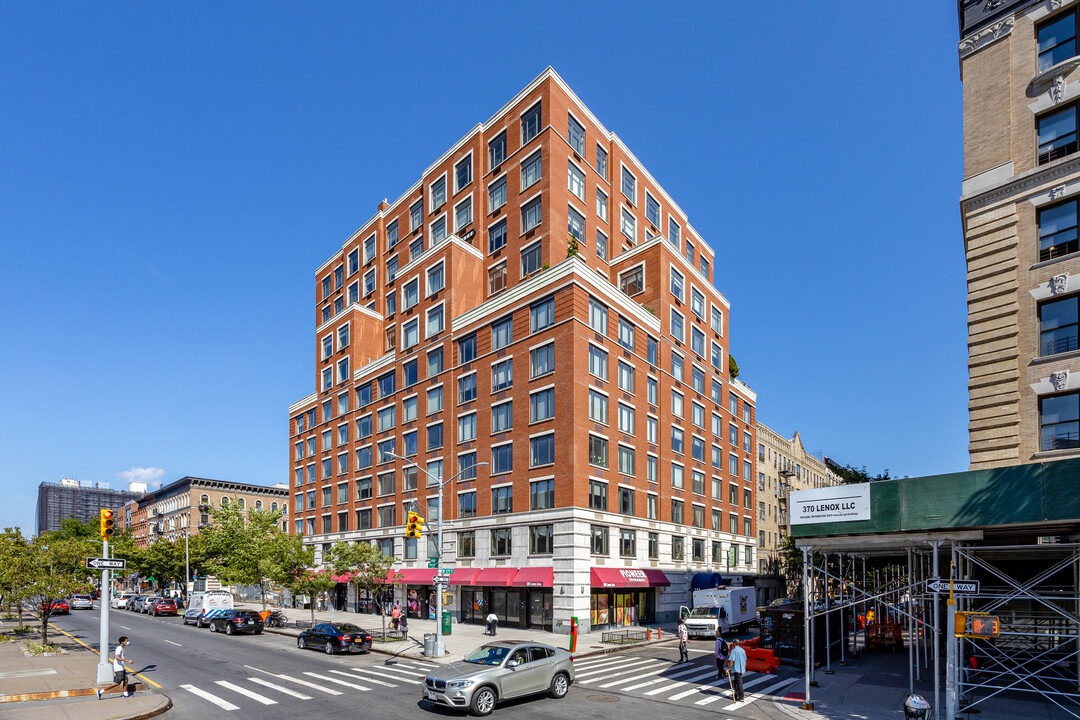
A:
x: 80, y: 500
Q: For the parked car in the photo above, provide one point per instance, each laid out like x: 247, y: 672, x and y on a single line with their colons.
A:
x: 161, y: 606
x: 499, y: 671
x: 335, y: 638
x: 237, y: 621
x: 59, y: 607
x: 120, y: 601
x: 133, y: 603
x: 144, y: 604
x: 82, y: 602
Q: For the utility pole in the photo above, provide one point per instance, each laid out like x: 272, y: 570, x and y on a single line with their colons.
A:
x: 104, y: 669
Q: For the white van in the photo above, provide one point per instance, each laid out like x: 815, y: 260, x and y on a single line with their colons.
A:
x: 120, y: 600
x: 203, y: 606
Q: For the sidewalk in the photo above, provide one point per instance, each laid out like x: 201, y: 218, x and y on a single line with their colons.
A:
x: 874, y: 686
x: 61, y: 687
x: 463, y: 638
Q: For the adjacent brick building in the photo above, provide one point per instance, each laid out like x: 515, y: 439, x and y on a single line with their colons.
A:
x: 537, y: 302
x: 1018, y: 63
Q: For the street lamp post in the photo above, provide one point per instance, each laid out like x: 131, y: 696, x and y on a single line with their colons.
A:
x: 440, y: 649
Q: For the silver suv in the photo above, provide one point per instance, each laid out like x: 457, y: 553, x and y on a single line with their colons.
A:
x: 499, y: 671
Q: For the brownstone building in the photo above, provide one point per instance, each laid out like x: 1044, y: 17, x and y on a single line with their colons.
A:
x: 536, y: 302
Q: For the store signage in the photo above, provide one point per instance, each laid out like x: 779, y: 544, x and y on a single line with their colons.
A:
x: 843, y: 503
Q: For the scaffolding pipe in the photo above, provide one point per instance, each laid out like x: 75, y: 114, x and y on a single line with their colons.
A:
x: 807, y: 704
x: 828, y: 639
x: 935, y: 544
x: 911, y: 631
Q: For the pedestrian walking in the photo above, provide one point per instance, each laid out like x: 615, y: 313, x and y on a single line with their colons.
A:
x: 395, y: 615
x: 721, y: 655
x: 737, y: 666
x: 403, y: 623
x: 684, y: 636
x: 492, y: 623
x: 119, y: 671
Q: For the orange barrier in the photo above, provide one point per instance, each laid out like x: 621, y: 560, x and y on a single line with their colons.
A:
x: 759, y: 660
x: 753, y: 642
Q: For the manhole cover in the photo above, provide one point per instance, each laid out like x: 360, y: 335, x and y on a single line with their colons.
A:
x: 602, y: 698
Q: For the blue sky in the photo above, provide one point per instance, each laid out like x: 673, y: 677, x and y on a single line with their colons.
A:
x: 172, y: 174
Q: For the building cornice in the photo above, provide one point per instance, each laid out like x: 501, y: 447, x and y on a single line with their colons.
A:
x: 303, y: 403
x: 663, y: 241
x: 1021, y: 183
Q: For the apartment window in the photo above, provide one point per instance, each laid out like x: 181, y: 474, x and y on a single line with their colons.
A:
x: 438, y: 193
x: 597, y: 495
x: 746, y: 410
x: 542, y: 495
x: 467, y: 466
x: 497, y: 236
x: 747, y: 530
x: 677, y: 511
x: 677, y: 284
x: 387, y: 419
x: 575, y: 182
x: 502, y: 333
x: 601, y: 245
x: 542, y: 360
x: 434, y: 362
x: 632, y: 282
x: 629, y: 186
x: 502, y: 500
x: 1058, y: 326
x: 502, y: 459
x: 1059, y: 420
x: 598, y: 451
x: 575, y: 224
x: 531, y: 259
x: 502, y: 375
x: 530, y: 124
x: 467, y: 427
x: 387, y: 516
x: 576, y: 135
x: 697, y: 415
x: 651, y: 505
x: 598, y: 543
x: 626, y: 333
x: 467, y: 505
x: 704, y: 262
x: 436, y: 278
x: 541, y: 539
x: 363, y: 458
x: 531, y: 171
x: 733, y: 405
x: 678, y: 480
x: 651, y: 426
x: 326, y: 290
x: 652, y: 210
x: 409, y: 376
x: 697, y: 449
x: 601, y: 162
x: 462, y: 214
x: 542, y: 405
x: 601, y: 204
x: 626, y: 460
x: 463, y: 172
x: 1057, y: 40
x: 1058, y: 231
x: 434, y: 321
x: 698, y: 549
x: 598, y: 316
x: 391, y: 303
x: 598, y: 404
x: 435, y: 436
x: 434, y: 400
x: 391, y: 235
x: 651, y: 390
x: 497, y: 278
x: 626, y: 377
x: 697, y: 379
x: 410, y: 333
x: 408, y: 440
x: 626, y: 419
x: 1057, y: 134
x: 676, y: 365
x: 531, y: 215
x: 676, y: 325
x: 467, y: 349
x: 677, y: 440
x: 651, y: 472
x: 416, y: 214
x: 416, y: 247
x: 502, y: 417
x: 497, y: 150
x: 690, y: 252
x: 697, y: 486
x: 501, y: 543
x: 438, y: 231
x: 542, y: 450
x: 716, y: 392
x: 628, y: 224
x: 467, y: 388
x: 497, y: 195
x: 542, y: 315
x: 598, y: 364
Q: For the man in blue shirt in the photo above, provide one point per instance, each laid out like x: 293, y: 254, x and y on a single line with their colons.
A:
x: 737, y: 666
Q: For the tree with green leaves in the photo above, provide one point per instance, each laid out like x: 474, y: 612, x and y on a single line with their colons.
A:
x: 366, y: 567
x: 243, y: 546
x: 12, y: 558
x: 52, y: 569
x: 312, y: 583
x: 733, y: 367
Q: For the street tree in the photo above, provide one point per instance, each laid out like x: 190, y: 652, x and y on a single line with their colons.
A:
x: 13, y: 558
x: 53, y: 569
x: 367, y: 569
x: 242, y: 546
x: 312, y: 583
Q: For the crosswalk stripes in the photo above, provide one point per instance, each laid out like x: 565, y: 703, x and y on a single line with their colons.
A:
x: 655, y: 680
x: 386, y: 675
x: 597, y: 662
x: 772, y: 689
x: 279, y: 688
x: 401, y: 671
x: 679, y: 683
x: 296, y: 680
x: 620, y: 669
x: 223, y: 704
x: 247, y: 693
x: 725, y: 688
x: 373, y: 681
x: 335, y: 680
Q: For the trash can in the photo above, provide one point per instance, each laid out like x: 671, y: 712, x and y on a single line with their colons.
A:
x: 916, y: 708
x: 445, y: 622
x: 430, y: 640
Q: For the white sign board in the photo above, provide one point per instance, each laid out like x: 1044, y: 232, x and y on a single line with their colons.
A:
x: 843, y: 503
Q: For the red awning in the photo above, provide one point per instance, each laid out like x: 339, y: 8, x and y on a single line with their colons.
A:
x: 500, y: 576
x: 628, y: 577
x: 464, y: 576
x: 534, y: 577
x: 342, y: 578
x: 415, y: 576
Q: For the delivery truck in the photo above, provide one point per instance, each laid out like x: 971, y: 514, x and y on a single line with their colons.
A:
x: 723, y: 608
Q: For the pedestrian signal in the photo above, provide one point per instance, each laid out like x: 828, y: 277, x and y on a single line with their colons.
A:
x: 414, y: 525
x: 977, y: 625
x: 107, y: 522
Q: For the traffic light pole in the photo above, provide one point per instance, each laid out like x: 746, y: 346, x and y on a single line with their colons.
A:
x: 104, y: 669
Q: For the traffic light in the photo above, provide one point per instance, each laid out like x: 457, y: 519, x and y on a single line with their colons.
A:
x: 106, y: 524
x: 977, y: 625
x: 414, y: 525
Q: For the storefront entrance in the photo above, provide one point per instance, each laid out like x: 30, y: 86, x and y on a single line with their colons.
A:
x: 520, y: 608
x: 621, y: 608
x: 420, y: 602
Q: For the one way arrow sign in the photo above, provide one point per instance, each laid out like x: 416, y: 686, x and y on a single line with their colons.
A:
x: 958, y: 586
x: 106, y: 563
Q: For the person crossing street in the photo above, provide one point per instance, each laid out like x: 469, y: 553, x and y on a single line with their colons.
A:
x: 737, y: 666
x: 119, y: 671
x: 684, y: 636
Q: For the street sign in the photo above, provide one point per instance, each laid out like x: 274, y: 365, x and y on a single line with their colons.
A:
x: 433, y: 562
x: 447, y: 571
x: 958, y: 586
x: 442, y: 579
x: 106, y: 563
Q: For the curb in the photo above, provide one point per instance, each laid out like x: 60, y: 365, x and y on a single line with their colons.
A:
x: 57, y: 694
x: 152, y: 713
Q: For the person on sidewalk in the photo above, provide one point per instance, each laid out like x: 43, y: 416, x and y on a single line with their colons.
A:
x: 492, y: 623
x: 119, y: 671
x: 684, y: 636
x: 721, y: 655
x: 395, y: 615
x: 403, y: 623
x: 737, y: 666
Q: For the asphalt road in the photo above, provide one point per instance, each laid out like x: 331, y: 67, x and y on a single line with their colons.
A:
x: 210, y: 675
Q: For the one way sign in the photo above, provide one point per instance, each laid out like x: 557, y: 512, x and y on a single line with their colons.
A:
x: 106, y: 563
x: 958, y: 586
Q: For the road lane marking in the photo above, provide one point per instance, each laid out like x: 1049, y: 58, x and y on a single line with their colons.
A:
x: 678, y: 683
x: 138, y: 675
x: 771, y: 690
x: 422, y: 668
x: 590, y: 664
x: 652, y: 673
x: 652, y: 670
x: 364, y: 678
x: 279, y: 688
x: 172, y: 643
x: 223, y: 704
x: 725, y: 693
x: 377, y: 673
x: 664, y: 678
x: 402, y: 675
x: 298, y: 681
x: 335, y: 680
x: 247, y: 693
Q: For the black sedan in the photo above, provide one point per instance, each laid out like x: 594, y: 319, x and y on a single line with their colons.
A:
x: 340, y: 637
x: 237, y: 621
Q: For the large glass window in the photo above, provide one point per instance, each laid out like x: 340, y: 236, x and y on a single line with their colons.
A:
x: 531, y: 171
x: 497, y: 150
x: 531, y: 259
x: 1057, y: 231
x: 502, y: 417
x: 542, y: 360
x: 502, y: 500
x: 597, y: 495
x: 1059, y: 418
x: 632, y: 281
x: 530, y: 124
x: 540, y: 539
x: 1057, y: 40
x: 497, y: 278
x: 542, y: 495
x: 542, y: 315
x: 502, y: 459
x: 1058, y: 326
x: 575, y: 181
x: 542, y: 450
x: 497, y: 236
x: 542, y: 405
x: 576, y: 135
x: 1057, y: 134
x: 531, y: 215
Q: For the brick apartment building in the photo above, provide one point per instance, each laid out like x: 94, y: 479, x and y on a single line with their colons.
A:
x: 1018, y: 63
x: 537, y: 302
